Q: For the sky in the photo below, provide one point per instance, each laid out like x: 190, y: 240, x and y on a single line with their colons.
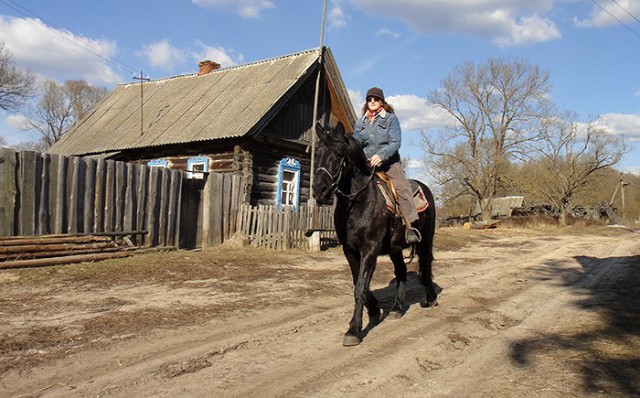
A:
x: 406, y: 47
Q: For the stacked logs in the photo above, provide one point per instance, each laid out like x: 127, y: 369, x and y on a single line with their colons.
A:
x: 34, y: 251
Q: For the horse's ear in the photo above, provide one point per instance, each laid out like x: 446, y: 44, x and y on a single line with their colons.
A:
x: 340, y: 128
x: 320, y: 130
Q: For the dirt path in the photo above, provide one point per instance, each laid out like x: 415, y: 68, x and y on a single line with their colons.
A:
x: 521, y: 314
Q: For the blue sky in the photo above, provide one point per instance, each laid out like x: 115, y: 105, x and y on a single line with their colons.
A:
x: 591, y: 48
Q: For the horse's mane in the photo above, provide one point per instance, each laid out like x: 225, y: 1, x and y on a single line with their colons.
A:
x: 343, y: 143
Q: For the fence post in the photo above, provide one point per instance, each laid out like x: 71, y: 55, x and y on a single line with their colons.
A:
x: 8, y: 191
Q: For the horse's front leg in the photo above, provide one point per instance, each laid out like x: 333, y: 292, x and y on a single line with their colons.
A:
x: 400, y: 270
x: 362, y: 272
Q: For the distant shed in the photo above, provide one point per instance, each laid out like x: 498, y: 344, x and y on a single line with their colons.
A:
x: 502, y: 207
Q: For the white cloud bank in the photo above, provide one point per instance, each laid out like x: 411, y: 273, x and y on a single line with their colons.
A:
x: 250, y: 9
x: 58, y: 54
x: 507, y: 23
x: 625, y: 125
x: 608, y: 13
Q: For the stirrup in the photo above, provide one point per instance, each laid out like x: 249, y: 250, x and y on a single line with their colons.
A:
x: 412, y: 235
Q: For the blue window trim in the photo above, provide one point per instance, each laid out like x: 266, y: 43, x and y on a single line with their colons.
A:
x: 158, y: 163
x: 197, y: 160
x: 292, y: 165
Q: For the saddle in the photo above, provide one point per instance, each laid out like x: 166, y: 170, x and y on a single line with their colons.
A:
x: 388, y: 189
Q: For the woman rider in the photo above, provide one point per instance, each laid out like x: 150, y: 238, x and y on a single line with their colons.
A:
x: 378, y: 130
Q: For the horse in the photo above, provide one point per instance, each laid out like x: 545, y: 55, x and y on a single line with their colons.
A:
x: 365, y: 226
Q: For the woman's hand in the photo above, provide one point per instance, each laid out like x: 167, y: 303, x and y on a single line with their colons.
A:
x: 375, y: 160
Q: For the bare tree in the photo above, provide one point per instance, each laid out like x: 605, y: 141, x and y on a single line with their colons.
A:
x: 569, y: 154
x: 16, y: 86
x: 60, y: 106
x: 496, y: 107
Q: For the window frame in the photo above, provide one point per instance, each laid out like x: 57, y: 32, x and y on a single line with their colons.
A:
x: 289, y: 165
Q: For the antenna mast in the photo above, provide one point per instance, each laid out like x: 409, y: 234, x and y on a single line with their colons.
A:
x: 142, y: 80
x: 311, y: 201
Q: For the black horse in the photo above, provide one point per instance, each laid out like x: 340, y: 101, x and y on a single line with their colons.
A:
x: 365, y: 227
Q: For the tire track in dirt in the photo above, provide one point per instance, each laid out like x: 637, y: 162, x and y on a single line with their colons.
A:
x: 493, y: 295
x: 421, y: 335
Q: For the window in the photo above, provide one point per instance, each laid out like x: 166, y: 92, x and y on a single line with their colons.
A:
x: 158, y: 163
x: 288, y: 183
x: 195, y: 165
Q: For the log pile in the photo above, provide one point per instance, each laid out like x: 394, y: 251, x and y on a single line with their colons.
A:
x: 34, y: 251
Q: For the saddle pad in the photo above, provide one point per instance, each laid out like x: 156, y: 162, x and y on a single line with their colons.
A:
x: 419, y: 198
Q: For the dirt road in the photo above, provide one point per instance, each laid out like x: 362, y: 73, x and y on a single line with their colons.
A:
x: 521, y: 313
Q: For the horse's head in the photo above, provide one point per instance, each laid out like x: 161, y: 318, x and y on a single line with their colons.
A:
x: 329, y: 161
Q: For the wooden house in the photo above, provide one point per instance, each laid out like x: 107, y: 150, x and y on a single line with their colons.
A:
x: 253, y: 120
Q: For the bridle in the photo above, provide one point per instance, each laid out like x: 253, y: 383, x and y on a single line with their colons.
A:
x: 335, y: 181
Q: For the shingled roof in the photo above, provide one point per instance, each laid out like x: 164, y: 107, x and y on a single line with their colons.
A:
x: 225, y: 103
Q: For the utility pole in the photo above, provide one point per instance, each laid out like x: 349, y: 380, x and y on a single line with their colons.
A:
x: 622, y: 185
x: 311, y: 201
x: 142, y: 80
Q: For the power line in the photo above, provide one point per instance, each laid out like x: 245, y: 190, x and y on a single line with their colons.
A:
x: 616, y: 18
x: 85, y: 45
x: 625, y: 10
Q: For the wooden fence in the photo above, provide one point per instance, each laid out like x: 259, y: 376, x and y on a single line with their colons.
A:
x: 44, y: 194
x: 222, y: 197
x: 284, y: 228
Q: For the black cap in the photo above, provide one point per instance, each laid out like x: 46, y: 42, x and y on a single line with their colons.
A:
x: 375, y: 92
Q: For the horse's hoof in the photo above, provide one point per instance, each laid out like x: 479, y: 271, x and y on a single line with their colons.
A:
x: 350, y: 341
x: 428, y: 304
x: 394, y: 315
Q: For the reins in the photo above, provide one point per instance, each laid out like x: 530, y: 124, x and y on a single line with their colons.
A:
x: 336, y: 181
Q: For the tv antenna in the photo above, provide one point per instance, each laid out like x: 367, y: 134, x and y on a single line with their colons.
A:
x: 142, y: 79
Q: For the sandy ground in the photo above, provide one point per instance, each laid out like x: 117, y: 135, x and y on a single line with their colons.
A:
x: 521, y: 313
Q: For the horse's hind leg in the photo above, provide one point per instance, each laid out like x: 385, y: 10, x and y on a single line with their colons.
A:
x: 400, y: 270
x: 425, y: 261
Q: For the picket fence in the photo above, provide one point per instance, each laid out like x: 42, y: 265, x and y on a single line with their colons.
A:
x: 283, y: 228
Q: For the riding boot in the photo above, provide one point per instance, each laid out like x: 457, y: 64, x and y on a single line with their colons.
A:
x: 412, y: 235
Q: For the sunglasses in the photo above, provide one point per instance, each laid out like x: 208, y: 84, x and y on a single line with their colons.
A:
x: 376, y: 99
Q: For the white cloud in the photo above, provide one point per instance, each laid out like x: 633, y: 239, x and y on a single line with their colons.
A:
x: 224, y: 57
x: 530, y: 29
x: 608, y: 14
x: 16, y: 121
x: 250, y: 9
x: 387, y: 32
x: 336, y: 17
x: 506, y: 22
x: 162, y: 55
x: 357, y: 100
x: 416, y: 114
x: 58, y: 54
x: 622, y: 124
x: 415, y: 164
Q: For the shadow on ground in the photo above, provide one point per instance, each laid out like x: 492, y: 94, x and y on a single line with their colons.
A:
x: 608, y: 354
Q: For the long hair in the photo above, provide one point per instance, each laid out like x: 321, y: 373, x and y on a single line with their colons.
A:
x: 387, y: 107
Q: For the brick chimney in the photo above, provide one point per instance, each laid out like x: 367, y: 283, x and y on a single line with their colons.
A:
x: 207, y: 66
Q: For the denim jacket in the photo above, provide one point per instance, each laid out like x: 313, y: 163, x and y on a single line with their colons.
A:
x: 383, y: 137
